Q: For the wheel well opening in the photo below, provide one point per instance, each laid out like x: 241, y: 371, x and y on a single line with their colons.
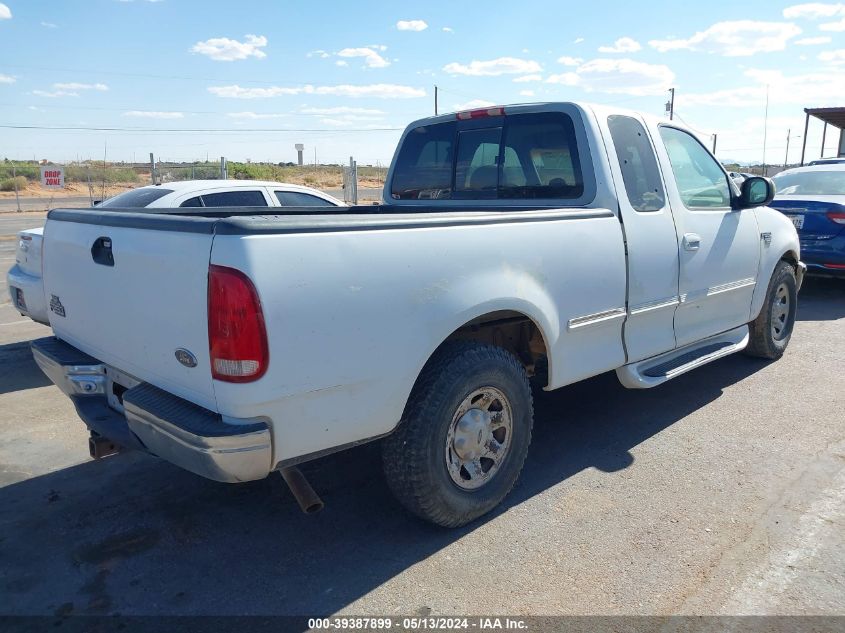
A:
x: 512, y: 331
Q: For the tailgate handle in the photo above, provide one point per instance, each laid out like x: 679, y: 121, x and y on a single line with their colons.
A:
x: 101, y: 251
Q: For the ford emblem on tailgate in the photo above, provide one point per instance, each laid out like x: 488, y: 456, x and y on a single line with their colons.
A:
x: 186, y: 358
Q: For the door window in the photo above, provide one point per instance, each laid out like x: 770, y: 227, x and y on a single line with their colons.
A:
x: 238, y: 198
x: 299, y: 199
x: 701, y: 182
x: 638, y: 163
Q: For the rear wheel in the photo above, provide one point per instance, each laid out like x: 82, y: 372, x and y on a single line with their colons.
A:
x: 772, y: 329
x: 464, y: 435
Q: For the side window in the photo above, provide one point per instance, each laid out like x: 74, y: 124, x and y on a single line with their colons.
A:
x: 239, y: 198
x: 701, y: 181
x: 299, y: 199
x: 544, y: 147
x: 638, y: 163
x: 192, y: 202
x: 476, y: 167
x: 423, y: 169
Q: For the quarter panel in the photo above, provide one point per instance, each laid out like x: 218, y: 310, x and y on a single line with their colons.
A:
x: 352, y: 317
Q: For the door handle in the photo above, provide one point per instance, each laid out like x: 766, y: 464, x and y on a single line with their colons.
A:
x: 692, y: 241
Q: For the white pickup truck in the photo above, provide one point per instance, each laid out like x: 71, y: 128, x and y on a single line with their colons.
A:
x: 554, y: 240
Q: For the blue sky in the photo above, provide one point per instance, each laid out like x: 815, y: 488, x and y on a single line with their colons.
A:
x: 345, y: 78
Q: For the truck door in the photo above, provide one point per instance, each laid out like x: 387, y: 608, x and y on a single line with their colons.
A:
x: 719, y: 247
x: 650, y: 237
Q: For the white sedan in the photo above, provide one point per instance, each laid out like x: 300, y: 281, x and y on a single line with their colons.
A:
x: 24, y: 278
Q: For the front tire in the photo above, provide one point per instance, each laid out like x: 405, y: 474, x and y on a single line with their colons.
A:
x: 771, y: 330
x: 464, y: 435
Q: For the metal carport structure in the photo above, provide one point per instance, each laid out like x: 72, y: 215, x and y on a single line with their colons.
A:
x: 830, y: 116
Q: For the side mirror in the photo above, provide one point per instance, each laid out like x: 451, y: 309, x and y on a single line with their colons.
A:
x: 756, y: 192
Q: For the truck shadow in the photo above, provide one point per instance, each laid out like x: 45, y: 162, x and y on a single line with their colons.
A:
x: 18, y: 370
x: 821, y: 299
x: 133, y: 535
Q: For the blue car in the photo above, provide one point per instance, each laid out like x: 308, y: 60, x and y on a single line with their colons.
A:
x: 814, y: 199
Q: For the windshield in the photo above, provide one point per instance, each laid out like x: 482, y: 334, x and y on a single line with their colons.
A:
x: 820, y: 183
x: 136, y: 198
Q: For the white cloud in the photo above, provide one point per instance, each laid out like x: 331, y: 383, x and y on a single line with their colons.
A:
x: 78, y: 86
x: 473, y: 105
x: 223, y: 49
x: 7, y: 79
x: 618, y: 76
x: 254, y: 116
x: 528, y: 78
x: 739, y: 38
x: 833, y: 57
x: 49, y: 25
x: 238, y: 92
x: 448, y: 29
x: 55, y: 94
x: 833, y: 26
x: 622, y: 45
x: 570, y: 61
x: 412, y: 25
x: 814, y: 11
x: 318, y: 53
x: 149, y: 114
x: 813, y: 41
x: 376, y: 91
x: 494, y: 67
x: 341, y: 62
x: 5, y: 12
x: 526, y: 93
x: 371, y: 58
x: 819, y: 11
x: 566, y: 79
x: 578, y: 40
x: 819, y: 88
x: 342, y: 110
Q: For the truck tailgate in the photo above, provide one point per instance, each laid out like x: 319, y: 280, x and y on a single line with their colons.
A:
x: 131, y: 297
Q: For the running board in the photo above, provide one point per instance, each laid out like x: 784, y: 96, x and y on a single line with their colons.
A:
x: 659, y: 369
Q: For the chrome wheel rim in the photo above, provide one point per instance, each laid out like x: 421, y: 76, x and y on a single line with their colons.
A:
x: 479, y: 438
x: 780, y: 312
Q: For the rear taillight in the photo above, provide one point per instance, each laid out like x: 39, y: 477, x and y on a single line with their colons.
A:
x: 836, y: 216
x: 237, y: 338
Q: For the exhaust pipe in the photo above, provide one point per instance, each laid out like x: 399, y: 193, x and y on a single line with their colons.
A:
x: 99, y: 446
x: 302, y: 491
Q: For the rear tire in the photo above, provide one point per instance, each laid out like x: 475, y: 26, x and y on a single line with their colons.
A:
x: 772, y: 329
x: 464, y: 435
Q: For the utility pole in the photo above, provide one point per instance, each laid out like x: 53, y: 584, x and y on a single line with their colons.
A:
x: 15, y: 180
x: 670, y: 106
x: 786, y: 158
x: 152, y: 169
x: 435, y: 100
x: 765, y: 130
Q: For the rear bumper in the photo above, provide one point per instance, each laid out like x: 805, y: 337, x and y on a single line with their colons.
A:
x: 824, y: 257
x: 33, y: 292
x: 155, y: 421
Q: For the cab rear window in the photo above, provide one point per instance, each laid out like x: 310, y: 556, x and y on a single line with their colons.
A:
x: 521, y: 156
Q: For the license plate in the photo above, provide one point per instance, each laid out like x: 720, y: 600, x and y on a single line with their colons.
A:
x: 797, y: 220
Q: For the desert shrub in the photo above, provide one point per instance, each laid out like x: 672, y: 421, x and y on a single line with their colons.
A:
x: 9, y: 183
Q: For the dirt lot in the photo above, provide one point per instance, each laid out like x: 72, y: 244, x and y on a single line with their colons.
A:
x: 722, y: 492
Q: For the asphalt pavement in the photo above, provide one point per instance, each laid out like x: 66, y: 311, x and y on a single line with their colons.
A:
x: 721, y: 492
